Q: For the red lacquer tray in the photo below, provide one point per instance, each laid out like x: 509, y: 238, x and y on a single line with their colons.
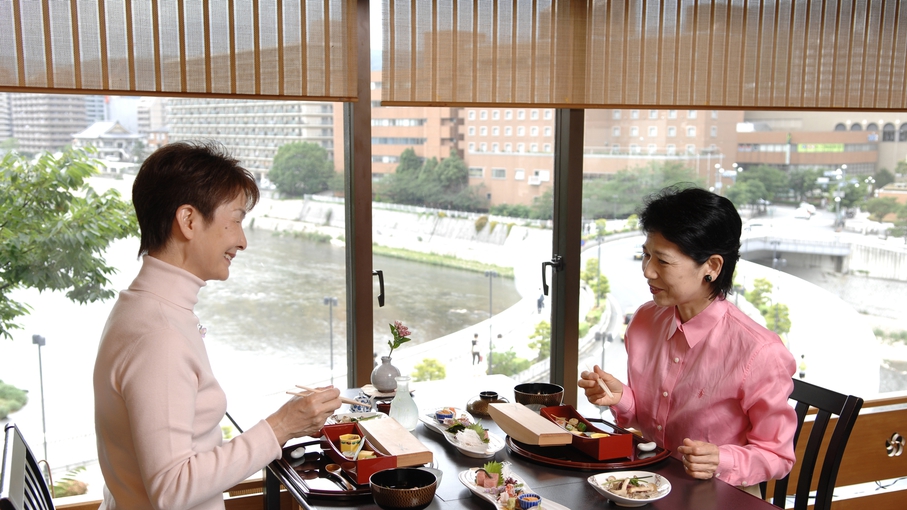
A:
x: 569, y: 457
x: 307, y: 473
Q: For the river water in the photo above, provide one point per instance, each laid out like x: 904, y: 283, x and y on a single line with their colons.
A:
x: 274, y: 299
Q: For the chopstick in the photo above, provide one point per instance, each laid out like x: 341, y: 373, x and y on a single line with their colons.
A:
x: 601, y: 383
x: 345, y: 400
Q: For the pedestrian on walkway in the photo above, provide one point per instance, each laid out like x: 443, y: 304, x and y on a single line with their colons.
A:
x: 475, y: 349
x: 541, y: 302
x: 802, y: 366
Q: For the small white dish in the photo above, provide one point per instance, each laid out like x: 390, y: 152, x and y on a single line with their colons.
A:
x: 432, y: 423
x: 493, y: 446
x: 354, y: 417
x: 663, y: 487
x: 468, y: 478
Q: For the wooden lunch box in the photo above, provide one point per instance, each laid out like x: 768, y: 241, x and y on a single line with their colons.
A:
x: 360, y: 470
x: 603, y: 448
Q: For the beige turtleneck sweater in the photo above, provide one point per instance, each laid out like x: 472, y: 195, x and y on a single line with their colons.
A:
x: 158, y: 406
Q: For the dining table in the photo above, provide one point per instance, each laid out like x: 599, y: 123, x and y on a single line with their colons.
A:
x: 563, y: 484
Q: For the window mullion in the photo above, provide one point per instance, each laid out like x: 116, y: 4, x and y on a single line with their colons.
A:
x: 568, y: 187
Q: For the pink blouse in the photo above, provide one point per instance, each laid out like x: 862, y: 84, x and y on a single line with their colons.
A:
x: 719, y: 378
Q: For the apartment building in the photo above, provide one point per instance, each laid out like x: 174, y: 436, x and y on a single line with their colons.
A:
x: 46, y: 122
x: 252, y: 131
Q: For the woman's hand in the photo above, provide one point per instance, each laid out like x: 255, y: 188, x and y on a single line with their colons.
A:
x: 700, y: 459
x: 589, y: 382
x: 304, y: 416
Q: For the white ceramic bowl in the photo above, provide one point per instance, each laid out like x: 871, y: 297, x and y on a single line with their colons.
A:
x: 662, y: 483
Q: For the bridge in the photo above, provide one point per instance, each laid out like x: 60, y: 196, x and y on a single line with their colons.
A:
x: 798, y: 251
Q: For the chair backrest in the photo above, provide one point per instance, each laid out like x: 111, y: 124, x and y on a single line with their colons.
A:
x: 22, y: 486
x: 827, y: 403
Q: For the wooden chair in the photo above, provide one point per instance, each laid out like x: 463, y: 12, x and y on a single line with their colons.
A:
x: 22, y: 486
x: 828, y: 403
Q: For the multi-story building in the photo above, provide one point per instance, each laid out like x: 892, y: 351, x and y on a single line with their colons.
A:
x: 509, y: 150
x: 252, y: 130
x: 151, y: 117
x: 46, y: 122
x: 97, y: 108
x: 430, y: 132
x: 865, y: 142
x: 6, y: 121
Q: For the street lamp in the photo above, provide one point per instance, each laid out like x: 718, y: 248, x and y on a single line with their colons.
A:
x: 40, y: 342
x: 491, y: 276
x: 331, y: 302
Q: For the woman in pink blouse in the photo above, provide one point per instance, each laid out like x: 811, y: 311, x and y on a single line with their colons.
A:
x: 703, y: 379
x: 158, y: 406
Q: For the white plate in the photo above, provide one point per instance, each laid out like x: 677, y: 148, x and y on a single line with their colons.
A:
x: 493, y: 446
x: 664, y: 487
x: 468, y: 478
x: 348, y: 417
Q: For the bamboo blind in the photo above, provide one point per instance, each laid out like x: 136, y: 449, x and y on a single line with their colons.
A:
x: 735, y: 54
x: 277, y: 49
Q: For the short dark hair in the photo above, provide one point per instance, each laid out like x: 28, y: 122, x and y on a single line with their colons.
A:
x: 701, y: 224
x: 200, y: 174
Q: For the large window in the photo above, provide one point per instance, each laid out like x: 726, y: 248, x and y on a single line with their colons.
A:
x: 784, y: 249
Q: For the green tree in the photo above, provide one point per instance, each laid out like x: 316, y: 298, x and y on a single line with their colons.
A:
x: 54, y: 230
x: 301, y: 168
x: 777, y: 318
x: 596, y: 281
x: 803, y: 182
x: 11, y: 399
x: 747, y: 193
x: 775, y: 181
x: 541, y: 340
x: 878, y: 208
x: 758, y: 296
x: 429, y: 369
x: 884, y: 177
x: 138, y: 151
x: 432, y: 183
x: 542, y: 207
x: 508, y: 363
x: 601, y: 226
x: 624, y: 192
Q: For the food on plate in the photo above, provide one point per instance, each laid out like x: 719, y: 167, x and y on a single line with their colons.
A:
x: 466, y: 432
x: 346, y: 418
x: 446, y: 413
x: 633, y: 487
x: 576, y: 427
x: 365, y: 454
x: 646, y: 447
x: 503, y: 488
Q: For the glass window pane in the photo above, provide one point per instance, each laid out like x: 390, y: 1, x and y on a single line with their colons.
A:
x: 812, y: 200
x: 453, y: 232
